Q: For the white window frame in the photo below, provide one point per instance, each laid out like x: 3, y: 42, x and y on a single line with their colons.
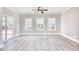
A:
x: 25, y: 27
x: 38, y: 19
x: 52, y: 21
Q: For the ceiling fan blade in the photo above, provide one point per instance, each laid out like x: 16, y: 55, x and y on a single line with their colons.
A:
x: 42, y: 12
x: 36, y: 12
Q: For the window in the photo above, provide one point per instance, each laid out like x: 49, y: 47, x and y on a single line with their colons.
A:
x: 39, y: 24
x: 52, y: 24
x: 28, y: 24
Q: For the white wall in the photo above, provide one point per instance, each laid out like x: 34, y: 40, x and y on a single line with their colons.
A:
x: 70, y: 23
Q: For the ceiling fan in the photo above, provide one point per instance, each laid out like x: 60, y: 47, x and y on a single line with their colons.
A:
x: 40, y: 9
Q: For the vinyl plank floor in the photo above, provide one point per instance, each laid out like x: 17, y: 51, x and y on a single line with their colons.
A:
x: 42, y: 43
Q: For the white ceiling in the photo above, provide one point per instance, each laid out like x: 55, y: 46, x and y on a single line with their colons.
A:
x: 29, y: 10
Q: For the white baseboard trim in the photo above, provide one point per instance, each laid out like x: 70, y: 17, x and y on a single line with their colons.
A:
x: 39, y: 33
x: 73, y: 39
x: 17, y: 35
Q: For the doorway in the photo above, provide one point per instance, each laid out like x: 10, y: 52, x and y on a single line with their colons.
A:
x: 7, y: 27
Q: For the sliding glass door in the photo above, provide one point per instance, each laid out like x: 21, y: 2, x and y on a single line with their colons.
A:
x: 7, y: 27
x: 3, y: 29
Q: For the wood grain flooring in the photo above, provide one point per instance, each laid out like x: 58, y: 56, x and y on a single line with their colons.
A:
x: 41, y: 43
